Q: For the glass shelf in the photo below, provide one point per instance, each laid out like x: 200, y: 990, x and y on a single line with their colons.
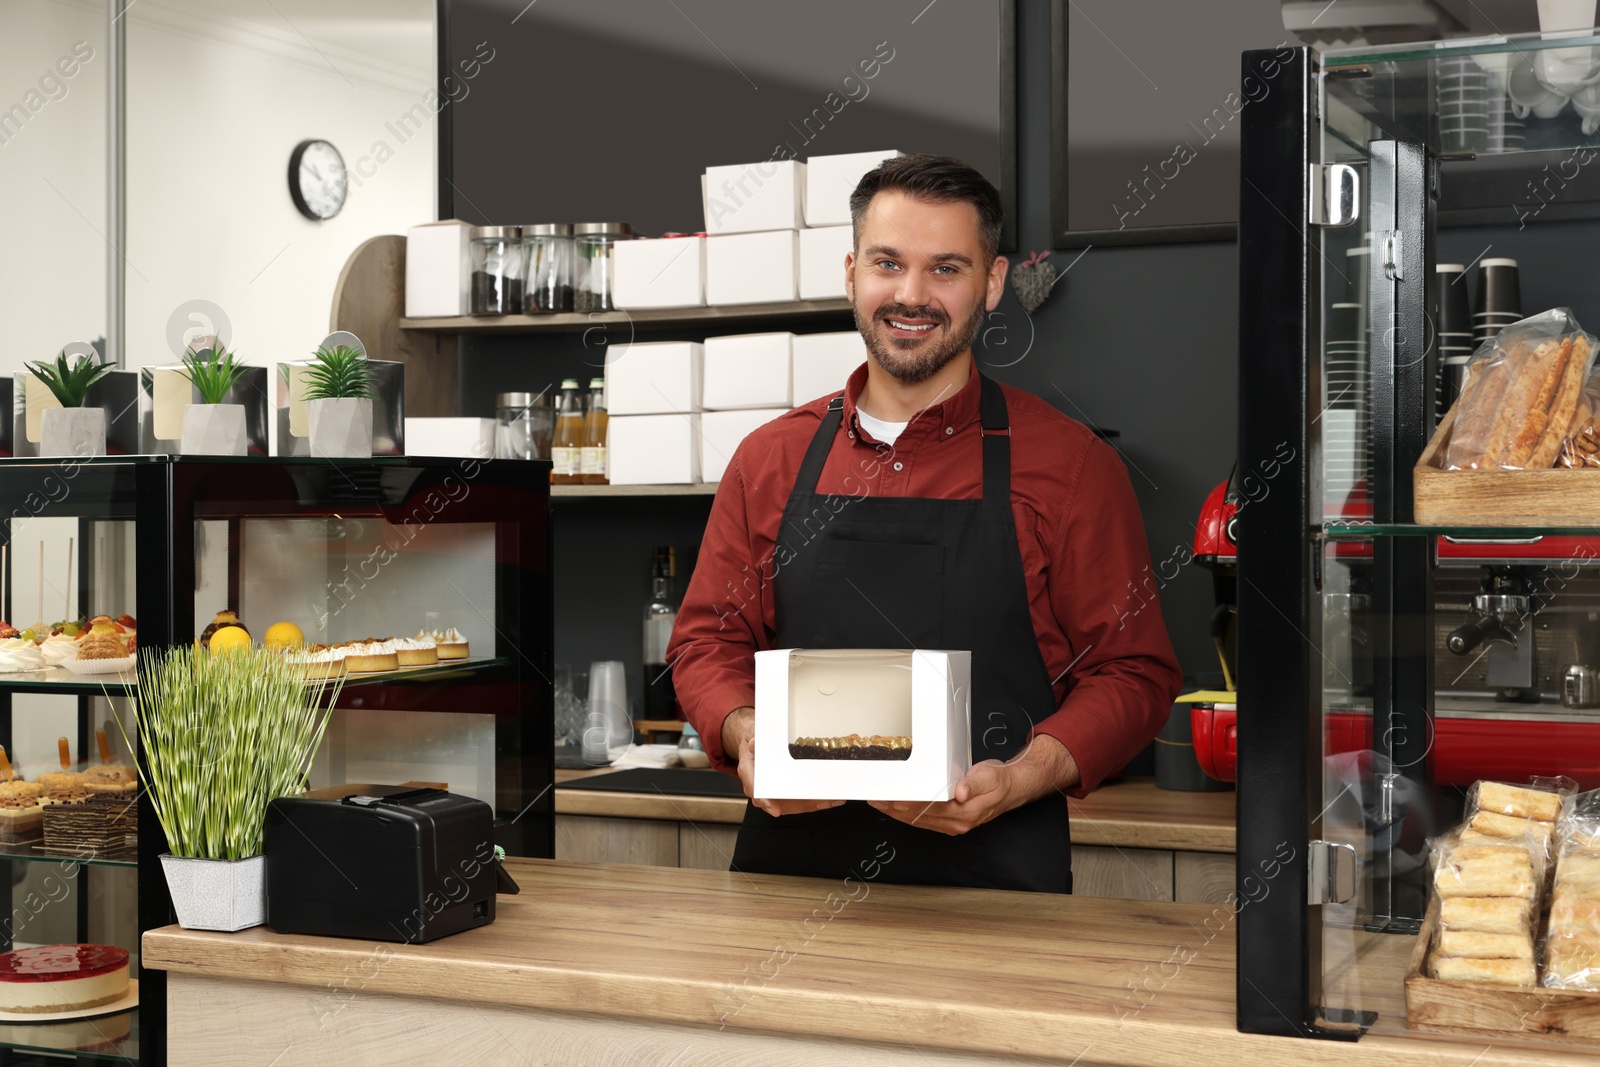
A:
x: 716, y: 317
x: 32, y: 851
x: 59, y: 680
x: 1505, y: 535
x: 113, y: 1038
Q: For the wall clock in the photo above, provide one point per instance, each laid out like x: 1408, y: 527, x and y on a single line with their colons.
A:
x: 318, y: 183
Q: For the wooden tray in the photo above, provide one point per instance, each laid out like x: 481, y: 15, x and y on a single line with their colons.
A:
x: 1481, y: 1009
x: 1554, y: 497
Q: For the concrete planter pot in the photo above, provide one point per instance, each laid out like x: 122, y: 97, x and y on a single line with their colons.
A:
x: 214, y: 430
x: 340, y: 428
x: 74, y: 432
x: 217, y: 894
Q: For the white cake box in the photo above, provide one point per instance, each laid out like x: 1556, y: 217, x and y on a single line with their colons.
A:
x: 753, y: 268
x: 653, y: 449
x: 721, y: 433
x: 822, y: 253
x: 834, y: 692
x: 747, y: 197
x: 667, y: 272
x: 655, y: 378
x: 746, y: 370
x: 822, y: 363
x: 831, y: 179
x: 462, y: 438
x: 437, y: 271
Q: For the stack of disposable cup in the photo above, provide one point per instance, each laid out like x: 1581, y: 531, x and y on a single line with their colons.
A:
x: 608, y: 729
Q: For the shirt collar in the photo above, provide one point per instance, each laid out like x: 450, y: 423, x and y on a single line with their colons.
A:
x: 955, y: 412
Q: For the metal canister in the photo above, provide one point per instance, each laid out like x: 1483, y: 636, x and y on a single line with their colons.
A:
x: 1580, y: 687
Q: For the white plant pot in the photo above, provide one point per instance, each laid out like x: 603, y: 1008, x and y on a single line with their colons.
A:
x: 214, y: 430
x: 217, y: 894
x: 73, y: 432
x: 341, y: 428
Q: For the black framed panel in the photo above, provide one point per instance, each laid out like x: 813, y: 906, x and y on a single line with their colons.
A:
x: 1145, y: 106
x: 572, y: 110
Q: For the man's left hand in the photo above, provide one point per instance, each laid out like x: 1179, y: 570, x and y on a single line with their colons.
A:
x: 992, y: 788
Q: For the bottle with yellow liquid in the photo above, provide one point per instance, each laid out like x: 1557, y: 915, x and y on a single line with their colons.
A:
x: 567, y: 447
x: 592, y: 462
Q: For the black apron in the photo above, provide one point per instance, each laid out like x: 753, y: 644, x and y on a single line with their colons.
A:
x: 900, y: 572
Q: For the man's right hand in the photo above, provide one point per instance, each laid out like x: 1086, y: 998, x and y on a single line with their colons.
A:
x: 739, y: 736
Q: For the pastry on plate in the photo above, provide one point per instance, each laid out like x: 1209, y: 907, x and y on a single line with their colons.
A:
x: 369, y: 656
x: 103, y: 641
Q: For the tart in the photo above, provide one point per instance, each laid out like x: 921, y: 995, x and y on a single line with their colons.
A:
x: 21, y: 817
x: 419, y: 651
x: 451, y: 644
x: 53, y: 978
x: 853, y: 747
x: 367, y: 657
x: 320, y: 661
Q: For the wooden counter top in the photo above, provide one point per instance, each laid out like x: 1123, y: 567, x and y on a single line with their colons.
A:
x: 1128, y: 814
x: 1060, y: 979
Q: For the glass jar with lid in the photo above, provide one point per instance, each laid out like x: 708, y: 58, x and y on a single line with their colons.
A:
x: 549, y: 251
x: 524, y: 425
x: 499, y: 266
x: 591, y: 284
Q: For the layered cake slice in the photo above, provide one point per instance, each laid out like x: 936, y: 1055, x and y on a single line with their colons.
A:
x: 853, y: 746
x: 53, y: 978
x: 21, y: 817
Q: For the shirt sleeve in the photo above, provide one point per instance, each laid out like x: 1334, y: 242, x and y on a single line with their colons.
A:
x: 722, y: 620
x: 1104, y: 593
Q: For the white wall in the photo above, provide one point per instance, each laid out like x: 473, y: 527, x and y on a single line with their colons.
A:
x: 52, y: 178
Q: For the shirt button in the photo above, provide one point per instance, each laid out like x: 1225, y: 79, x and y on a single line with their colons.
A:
x: 899, y: 466
x: 948, y: 430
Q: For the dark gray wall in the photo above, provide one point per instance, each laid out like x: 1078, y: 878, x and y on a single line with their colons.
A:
x: 1137, y: 339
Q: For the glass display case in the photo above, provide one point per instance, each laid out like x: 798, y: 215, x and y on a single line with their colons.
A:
x: 1386, y: 664
x: 344, y: 551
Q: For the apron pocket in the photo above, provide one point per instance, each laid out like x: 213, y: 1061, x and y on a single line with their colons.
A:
x: 893, y: 594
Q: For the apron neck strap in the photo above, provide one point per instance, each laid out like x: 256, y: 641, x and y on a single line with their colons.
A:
x: 995, y: 427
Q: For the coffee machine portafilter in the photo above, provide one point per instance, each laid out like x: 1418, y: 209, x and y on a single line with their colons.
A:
x: 1504, y: 613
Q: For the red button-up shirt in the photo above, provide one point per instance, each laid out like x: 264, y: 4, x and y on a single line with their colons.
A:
x: 1089, y: 581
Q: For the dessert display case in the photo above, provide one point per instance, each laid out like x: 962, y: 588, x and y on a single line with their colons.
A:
x: 1385, y: 664
x: 345, y: 551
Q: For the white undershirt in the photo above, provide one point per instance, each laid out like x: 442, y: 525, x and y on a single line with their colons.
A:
x: 887, y: 432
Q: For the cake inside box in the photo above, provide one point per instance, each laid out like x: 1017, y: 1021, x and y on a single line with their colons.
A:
x: 850, y: 704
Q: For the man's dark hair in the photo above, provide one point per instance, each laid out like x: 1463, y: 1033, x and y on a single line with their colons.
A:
x: 942, y: 179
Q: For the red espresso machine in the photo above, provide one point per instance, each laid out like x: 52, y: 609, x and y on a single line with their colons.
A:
x: 1516, y: 651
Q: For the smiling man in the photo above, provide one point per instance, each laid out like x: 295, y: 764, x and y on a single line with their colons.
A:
x: 927, y: 506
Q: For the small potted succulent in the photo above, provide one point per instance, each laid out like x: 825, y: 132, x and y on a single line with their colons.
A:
x: 72, y: 429
x: 223, y: 733
x: 338, y: 394
x: 211, y: 427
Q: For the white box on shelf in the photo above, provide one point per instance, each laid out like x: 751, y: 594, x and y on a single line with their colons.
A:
x: 828, y: 693
x: 747, y: 370
x: 721, y: 433
x: 654, y: 379
x: 457, y: 437
x: 437, y: 274
x: 822, y: 363
x: 663, y: 273
x: 748, y: 197
x: 753, y: 268
x: 822, y: 253
x: 831, y: 179
x: 653, y: 449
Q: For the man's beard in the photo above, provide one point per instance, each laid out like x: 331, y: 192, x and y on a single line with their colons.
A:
x: 899, y: 357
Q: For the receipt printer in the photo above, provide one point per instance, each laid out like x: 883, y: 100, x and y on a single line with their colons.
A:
x: 382, y: 863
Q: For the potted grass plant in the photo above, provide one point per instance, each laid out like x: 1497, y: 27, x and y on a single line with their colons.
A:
x: 72, y: 429
x: 223, y: 734
x: 212, y: 427
x: 338, y: 394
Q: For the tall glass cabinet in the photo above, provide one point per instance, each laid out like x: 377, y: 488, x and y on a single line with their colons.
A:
x: 1362, y: 720
x: 344, y: 550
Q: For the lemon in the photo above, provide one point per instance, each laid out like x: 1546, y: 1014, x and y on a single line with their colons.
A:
x: 283, y: 635
x: 229, y: 637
